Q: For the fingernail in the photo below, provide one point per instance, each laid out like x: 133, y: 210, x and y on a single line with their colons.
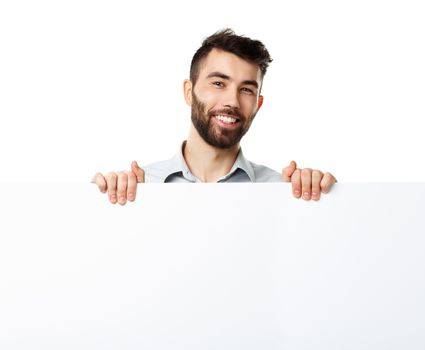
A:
x: 113, y: 198
x: 122, y: 199
x: 306, y: 195
x: 130, y: 196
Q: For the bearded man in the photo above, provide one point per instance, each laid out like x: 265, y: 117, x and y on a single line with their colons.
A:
x: 224, y: 93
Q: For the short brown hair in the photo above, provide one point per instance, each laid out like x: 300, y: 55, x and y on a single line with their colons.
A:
x: 250, y: 50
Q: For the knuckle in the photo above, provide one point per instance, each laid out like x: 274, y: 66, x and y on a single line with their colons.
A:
x: 111, y: 176
x: 131, y: 176
x: 317, y: 173
x: 296, y: 174
x: 122, y: 175
x: 306, y: 172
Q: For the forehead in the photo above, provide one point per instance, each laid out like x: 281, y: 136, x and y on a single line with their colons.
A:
x: 228, y: 63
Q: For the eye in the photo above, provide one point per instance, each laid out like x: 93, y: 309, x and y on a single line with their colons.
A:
x: 247, y: 90
x: 218, y: 83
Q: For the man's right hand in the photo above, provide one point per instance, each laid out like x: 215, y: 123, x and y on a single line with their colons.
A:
x: 121, y: 185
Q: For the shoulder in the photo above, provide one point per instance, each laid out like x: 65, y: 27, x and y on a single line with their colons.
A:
x: 265, y: 174
x: 157, y: 171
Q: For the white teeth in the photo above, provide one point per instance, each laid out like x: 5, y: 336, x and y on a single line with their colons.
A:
x: 226, y: 119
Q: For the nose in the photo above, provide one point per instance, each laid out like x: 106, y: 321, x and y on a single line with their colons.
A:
x: 231, y: 99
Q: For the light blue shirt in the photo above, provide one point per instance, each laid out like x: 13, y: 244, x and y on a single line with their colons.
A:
x: 176, y: 170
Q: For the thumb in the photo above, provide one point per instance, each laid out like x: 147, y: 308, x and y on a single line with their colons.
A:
x: 139, y: 172
x: 288, y: 171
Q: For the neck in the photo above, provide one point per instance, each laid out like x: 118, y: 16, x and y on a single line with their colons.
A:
x: 206, y: 162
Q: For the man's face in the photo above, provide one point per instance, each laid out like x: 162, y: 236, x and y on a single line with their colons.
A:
x: 225, y: 98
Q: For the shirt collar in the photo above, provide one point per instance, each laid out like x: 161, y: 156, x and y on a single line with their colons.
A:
x: 243, y: 164
x: 177, y: 164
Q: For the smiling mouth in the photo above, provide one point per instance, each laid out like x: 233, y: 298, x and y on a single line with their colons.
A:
x: 226, y: 119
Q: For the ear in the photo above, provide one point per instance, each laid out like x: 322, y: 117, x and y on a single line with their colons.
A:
x: 187, y: 89
x: 260, y: 102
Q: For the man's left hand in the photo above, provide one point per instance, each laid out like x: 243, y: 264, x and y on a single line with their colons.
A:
x: 308, y: 183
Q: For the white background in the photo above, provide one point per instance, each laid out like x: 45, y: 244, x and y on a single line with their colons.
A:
x: 89, y: 86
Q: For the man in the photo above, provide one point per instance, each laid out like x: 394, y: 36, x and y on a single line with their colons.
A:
x: 224, y: 93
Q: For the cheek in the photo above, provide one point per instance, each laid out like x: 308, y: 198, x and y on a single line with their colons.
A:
x: 209, y: 100
x: 250, y: 105
x: 206, y: 97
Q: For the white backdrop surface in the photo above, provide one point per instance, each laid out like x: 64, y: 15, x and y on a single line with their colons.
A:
x: 212, y: 266
x: 90, y: 85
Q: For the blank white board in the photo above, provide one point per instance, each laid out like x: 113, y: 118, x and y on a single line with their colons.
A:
x: 212, y: 266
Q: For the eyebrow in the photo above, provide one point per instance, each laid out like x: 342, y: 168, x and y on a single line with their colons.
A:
x: 226, y: 77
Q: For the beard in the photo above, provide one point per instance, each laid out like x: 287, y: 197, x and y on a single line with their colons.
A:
x: 214, y: 134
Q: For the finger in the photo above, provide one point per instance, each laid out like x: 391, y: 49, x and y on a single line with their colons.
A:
x: 316, y: 177
x: 131, y: 186
x: 296, y: 183
x: 327, y: 182
x: 122, y: 187
x: 100, y: 181
x: 306, y: 183
x: 139, y: 172
x: 288, y: 171
x: 111, y: 183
